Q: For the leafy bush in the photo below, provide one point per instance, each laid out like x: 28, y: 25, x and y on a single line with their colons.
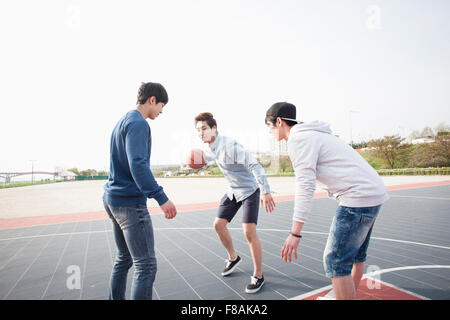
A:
x: 436, y: 154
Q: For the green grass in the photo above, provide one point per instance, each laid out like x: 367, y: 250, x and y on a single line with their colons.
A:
x: 414, y: 171
x: 24, y: 184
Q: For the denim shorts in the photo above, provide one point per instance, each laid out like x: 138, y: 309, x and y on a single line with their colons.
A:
x: 348, y: 239
x: 250, y: 207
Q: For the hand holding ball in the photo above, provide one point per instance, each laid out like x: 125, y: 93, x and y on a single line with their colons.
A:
x: 196, y: 159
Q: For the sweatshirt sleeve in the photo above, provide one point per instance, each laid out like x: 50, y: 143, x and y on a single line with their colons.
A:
x: 304, y: 155
x: 254, y: 167
x: 138, y: 146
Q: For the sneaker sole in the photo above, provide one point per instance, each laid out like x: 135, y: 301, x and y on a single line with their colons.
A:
x: 325, y: 298
x: 224, y: 274
x: 254, y: 290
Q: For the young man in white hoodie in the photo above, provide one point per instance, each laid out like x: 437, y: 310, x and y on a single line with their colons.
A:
x: 316, y: 154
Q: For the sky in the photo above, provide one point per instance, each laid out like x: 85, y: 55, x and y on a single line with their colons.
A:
x: 70, y: 69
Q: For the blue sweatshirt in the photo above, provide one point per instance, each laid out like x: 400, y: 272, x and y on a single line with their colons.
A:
x: 130, y: 180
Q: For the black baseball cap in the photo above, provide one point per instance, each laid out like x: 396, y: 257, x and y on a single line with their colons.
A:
x: 284, y: 110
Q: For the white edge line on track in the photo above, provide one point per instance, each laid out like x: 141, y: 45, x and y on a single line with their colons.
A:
x: 397, y: 288
x: 419, y: 197
x: 311, y: 293
x: 211, y: 228
x: 375, y: 273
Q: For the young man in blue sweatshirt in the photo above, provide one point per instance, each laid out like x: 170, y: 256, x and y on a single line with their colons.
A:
x: 130, y: 183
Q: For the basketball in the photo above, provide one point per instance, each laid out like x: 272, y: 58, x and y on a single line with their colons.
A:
x: 196, y: 159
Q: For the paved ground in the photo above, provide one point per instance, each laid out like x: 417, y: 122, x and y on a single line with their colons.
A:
x: 85, y: 196
x: 409, y: 249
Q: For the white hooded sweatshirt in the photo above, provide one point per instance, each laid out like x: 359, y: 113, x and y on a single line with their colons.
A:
x: 316, y: 154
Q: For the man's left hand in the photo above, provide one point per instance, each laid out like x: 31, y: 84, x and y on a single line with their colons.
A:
x: 269, y: 204
x: 289, y: 247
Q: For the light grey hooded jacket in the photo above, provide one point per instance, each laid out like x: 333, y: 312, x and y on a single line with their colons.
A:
x: 244, y: 174
x: 316, y: 154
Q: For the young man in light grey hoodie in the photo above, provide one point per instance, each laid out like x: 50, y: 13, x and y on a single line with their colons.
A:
x: 248, y: 185
x: 316, y: 154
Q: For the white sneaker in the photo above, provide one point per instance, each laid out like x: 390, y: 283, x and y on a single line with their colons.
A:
x: 231, y: 265
x: 255, y: 284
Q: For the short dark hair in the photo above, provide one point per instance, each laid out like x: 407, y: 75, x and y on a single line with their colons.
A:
x: 273, y: 120
x: 208, y: 117
x: 282, y: 110
x: 152, y: 89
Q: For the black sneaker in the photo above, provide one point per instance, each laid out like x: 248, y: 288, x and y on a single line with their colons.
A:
x: 255, y: 285
x: 231, y: 265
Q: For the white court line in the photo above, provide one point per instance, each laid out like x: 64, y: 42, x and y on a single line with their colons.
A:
x: 109, y: 246
x: 243, y: 254
x: 57, y: 264
x: 392, y: 262
x: 377, y: 272
x: 263, y: 264
x: 311, y: 293
x: 19, y: 251
x: 28, y: 268
x: 420, y: 197
x: 397, y: 288
x: 56, y: 234
x: 83, y: 277
x: 204, y: 267
x: 377, y: 238
x: 371, y: 275
x: 211, y: 228
x: 176, y: 270
x: 412, y: 242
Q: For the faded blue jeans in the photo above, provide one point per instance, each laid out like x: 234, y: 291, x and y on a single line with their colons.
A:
x: 133, y: 234
x: 348, y: 239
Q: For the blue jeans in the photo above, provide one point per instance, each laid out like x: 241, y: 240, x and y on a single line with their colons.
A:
x: 133, y: 234
x: 348, y: 239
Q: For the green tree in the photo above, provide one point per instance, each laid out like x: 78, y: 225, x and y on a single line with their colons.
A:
x: 88, y: 172
x: 442, y: 128
x: 360, y: 145
x: 74, y: 170
x: 285, y: 164
x: 392, y: 150
x: 414, y: 135
x: 427, y: 132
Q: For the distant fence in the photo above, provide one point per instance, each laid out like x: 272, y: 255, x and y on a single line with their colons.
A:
x: 91, y: 178
x: 414, y: 171
x: 391, y: 172
x: 381, y: 172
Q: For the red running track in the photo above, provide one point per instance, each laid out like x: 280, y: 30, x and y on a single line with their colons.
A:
x: 86, y: 216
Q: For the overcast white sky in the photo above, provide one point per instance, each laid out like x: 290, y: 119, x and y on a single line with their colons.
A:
x: 70, y: 69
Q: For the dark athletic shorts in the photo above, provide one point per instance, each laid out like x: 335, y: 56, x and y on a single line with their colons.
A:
x: 250, y: 206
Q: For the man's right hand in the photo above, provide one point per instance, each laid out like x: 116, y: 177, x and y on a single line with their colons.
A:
x: 169, y: 210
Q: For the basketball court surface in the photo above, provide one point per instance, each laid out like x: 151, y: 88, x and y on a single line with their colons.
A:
x: 71, y: 256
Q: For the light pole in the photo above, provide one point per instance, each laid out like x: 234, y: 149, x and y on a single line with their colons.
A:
x: 350, y: 119
x: 402, y: 131
x: 32, y: 170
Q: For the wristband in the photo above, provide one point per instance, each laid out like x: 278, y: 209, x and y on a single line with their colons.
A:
x: 296, y: 235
